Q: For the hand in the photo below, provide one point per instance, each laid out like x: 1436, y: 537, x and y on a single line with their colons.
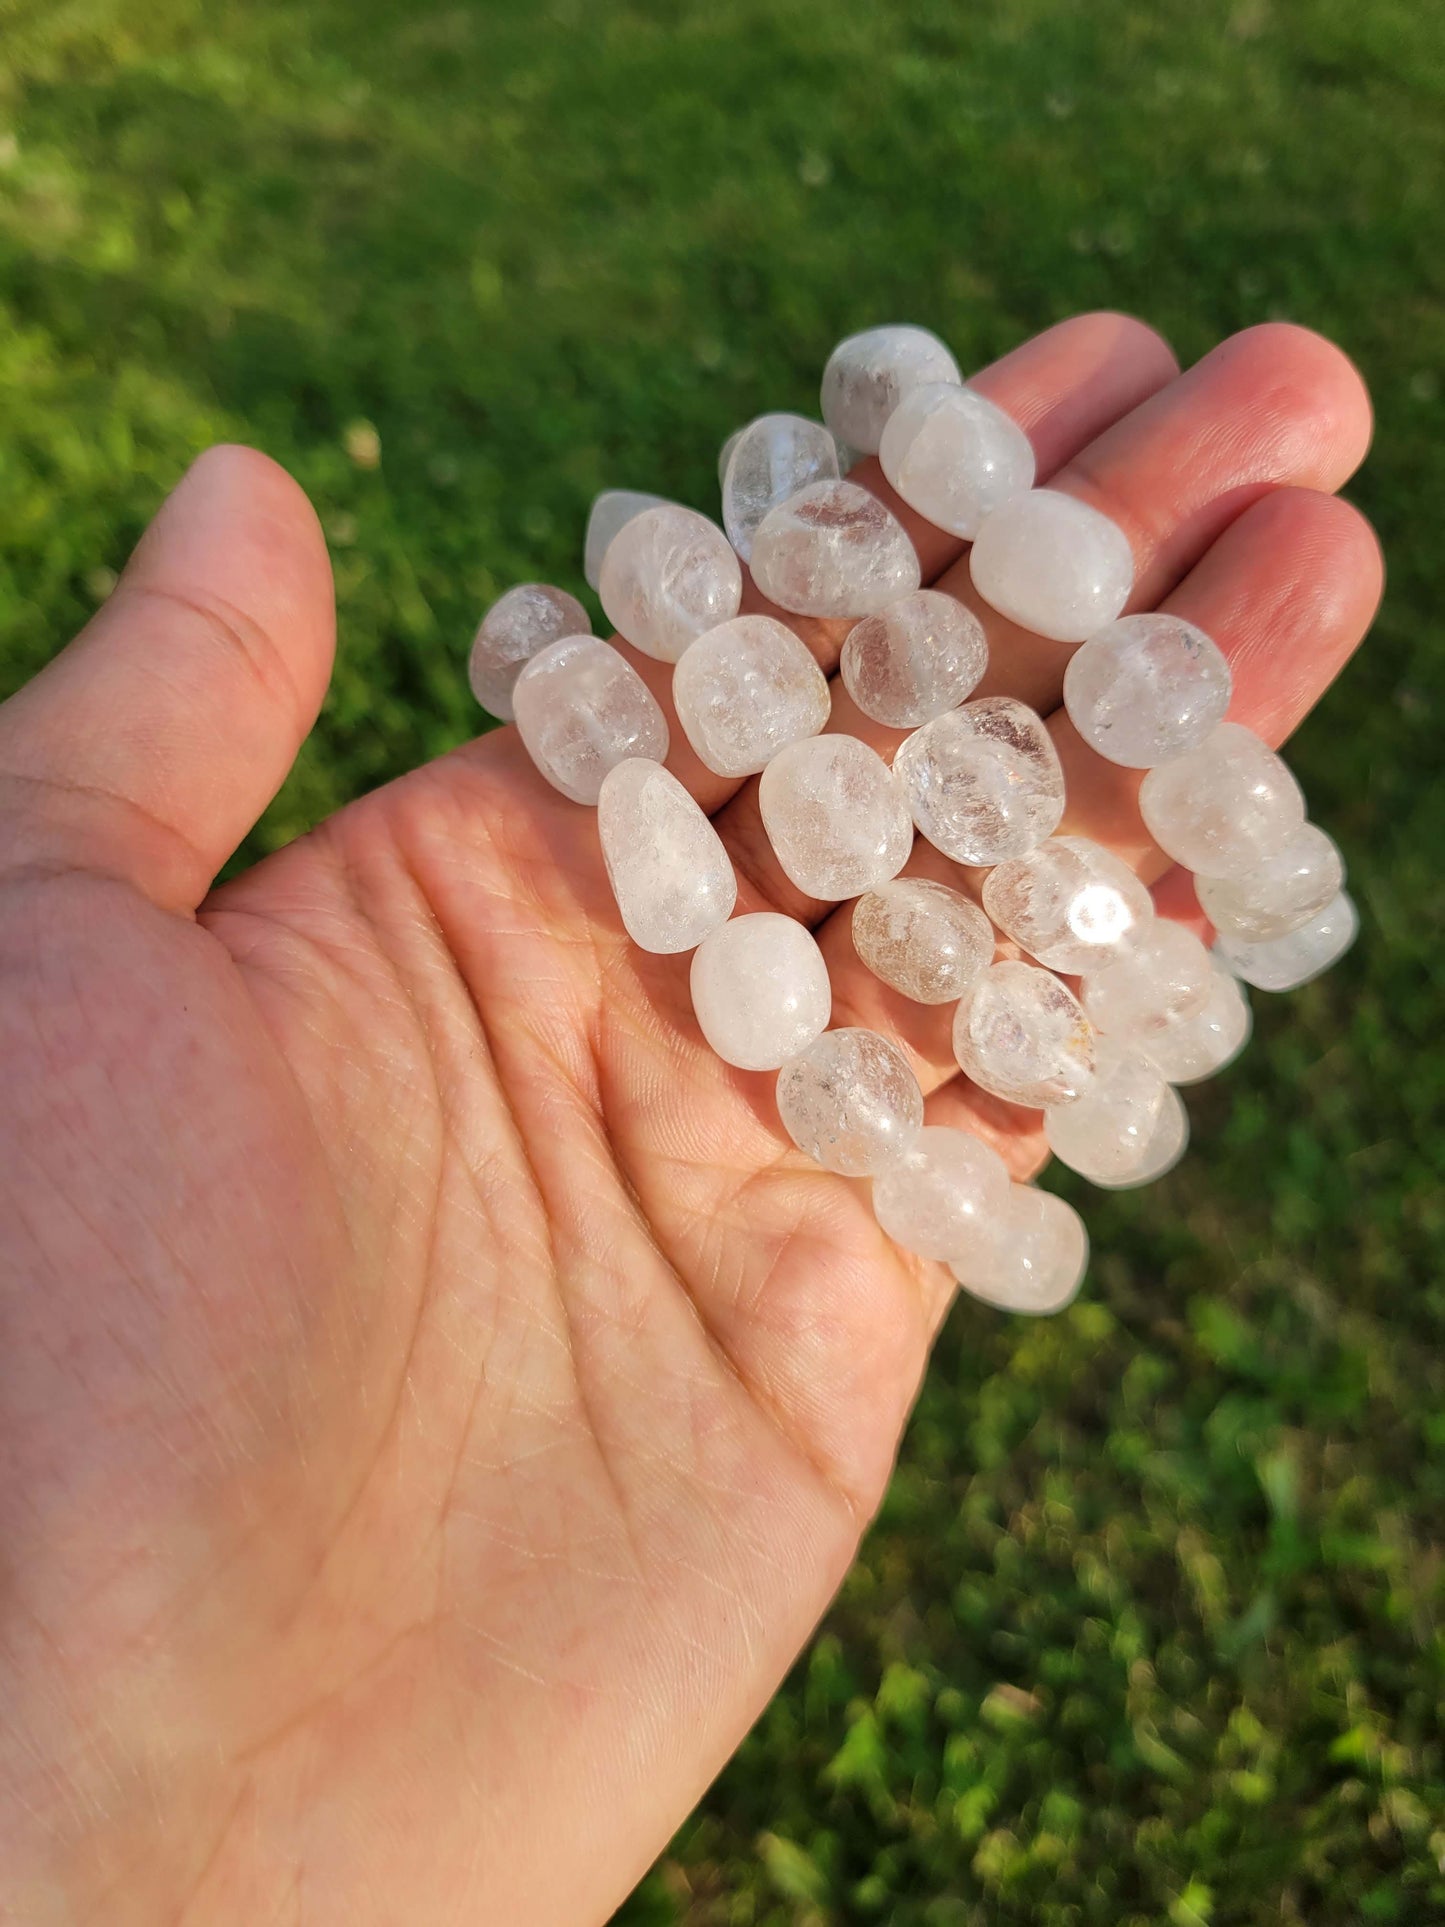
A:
x: 436, y: 1401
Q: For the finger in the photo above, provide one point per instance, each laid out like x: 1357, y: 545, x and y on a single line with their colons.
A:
x: 1275, y: 406
x: 1288, y: 592
x: 149, y: 747
x: 1063, y: 387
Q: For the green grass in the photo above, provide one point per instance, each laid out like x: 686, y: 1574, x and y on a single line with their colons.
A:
x: 1151, y: 1628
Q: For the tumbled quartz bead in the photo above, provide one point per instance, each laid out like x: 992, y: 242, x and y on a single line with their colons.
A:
x: 983, y: 782
x: 744, y: 691
x: 1037, y: 1261
x: 1161, y: 976
x: 1223, y: 807
x: 945, y: 1197
x: 1106, y: 1134
x: 611, y: 511
x: 833, y: 550
x: 667, y: 576
x: 1052, y: 564
x: 851, y: 1102
x: 519, y: 624
x: 1284, y: 963
x: 922, y: 939
x: 910, y: 662
x: 834, y: 816
x: 1146, y: 688
x: 1070, y: 903
x: 1023, y: 1036
x: 760, y: 990
x: 1279, y: 894
x: 769, y: 462
x: 581, y: 709
x: 954, y: 456
x: 1198, y: 1046
x: 868, y: 375
x: 1169, y: 1142
x: 666, y: 863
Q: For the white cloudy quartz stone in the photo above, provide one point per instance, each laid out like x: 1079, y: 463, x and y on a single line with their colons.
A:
x: 945, y: 1196
x: 954, y: 456
x: 1070, y: 903
x: 1279, y: 894
x: 1199, y: 1046
x: 1161, y: 976
x: 1023, y: 1035
x: 834, y: 816
x: 760, y: 990
x: 869, y: 374
x: 1146, y: 688
x: 611, y: 511
x: 1224, y: 807
x: 925, y: 941
x: 851, y: 1102
x: 769, y: 461
x: 744, y: 691
x: 914, y: 659
x: 666, y: 863
x: 581, y: 709
x: 1284, y: 963
x: 983, y: 782
x: 1052, y: 564
x: 1106, y: 1134
x: 833, y: 550
x: 519, y: 624
x: 1169, y: 1142
x: 667, y: 576
x: 1037, y: 1260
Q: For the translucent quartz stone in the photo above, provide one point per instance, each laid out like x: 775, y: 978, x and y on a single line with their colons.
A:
x: 1070, y: 903
x: 668, y: 869
x: 833, y: 550
x: 771, y: 460
x: 1160, y: 977
x: 834, y: 816
x: 1106, y: 1134
x: 1023, y: 1035
x: 1053, y: 564
x: 954, y: 456
x: 1146, y: 688
x: 1284, y: 963
x: 915, y: 659
x: 666, y: 577
x: 945, y: 1197
x: 1037, y: 1261
x: 1279, y: 894
x: 1223, y: 807
x: 581, y: 709
x: 922, y: 939
x: 851, y: 1102
x: 983, y: 782
x: 869, y: 374
x: 725, y: 453
x: 760, y: 990
x: 1167, y: 1145
x: 611, y: 511
x: 516, y: 626
x: 1199, y: 1046
x: 745, y: 690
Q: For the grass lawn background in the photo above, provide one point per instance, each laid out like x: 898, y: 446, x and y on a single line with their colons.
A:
x: 1150, y: 1630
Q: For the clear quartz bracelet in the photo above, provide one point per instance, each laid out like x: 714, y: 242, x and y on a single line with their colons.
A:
x: 1146, y: 1007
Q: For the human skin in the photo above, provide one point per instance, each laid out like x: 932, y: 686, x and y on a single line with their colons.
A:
x: 436, y: 1401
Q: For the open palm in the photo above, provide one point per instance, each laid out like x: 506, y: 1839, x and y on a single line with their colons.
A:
x: 436, y: 1401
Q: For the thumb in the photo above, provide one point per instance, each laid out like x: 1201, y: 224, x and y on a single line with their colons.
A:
x: 152, y: 743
